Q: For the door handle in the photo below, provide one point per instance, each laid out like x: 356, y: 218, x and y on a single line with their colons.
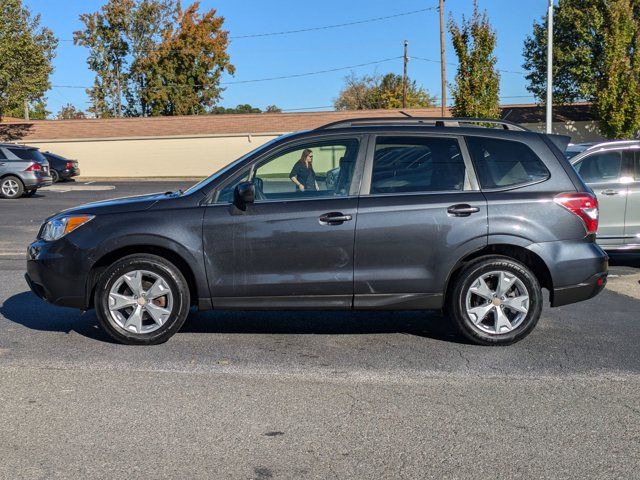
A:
x: 610, y: 192
x: 462, y: 210
x: 334, y: 218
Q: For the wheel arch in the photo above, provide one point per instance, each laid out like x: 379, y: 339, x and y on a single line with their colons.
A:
x: 517, y: 252
x: 112, y: 256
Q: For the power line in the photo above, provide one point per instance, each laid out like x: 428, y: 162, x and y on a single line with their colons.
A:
x: 313, y: 29
x: 455, y: 65
x: 337, y: 25
x: 268, y: 79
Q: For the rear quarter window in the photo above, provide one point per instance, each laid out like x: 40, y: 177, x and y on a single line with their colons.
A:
x: 28, y: 154
x: 505, y: 163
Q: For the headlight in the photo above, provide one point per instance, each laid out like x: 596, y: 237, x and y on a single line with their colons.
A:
x: 58, y: 227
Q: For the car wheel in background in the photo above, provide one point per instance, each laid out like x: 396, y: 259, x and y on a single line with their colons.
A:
x: 30, y: 193
x: 11, y: 187
x: 142, y: 299
x: 495, y: 301
x: 54, y: 176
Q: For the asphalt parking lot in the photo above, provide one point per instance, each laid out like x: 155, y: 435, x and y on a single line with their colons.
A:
x: 310, y: 394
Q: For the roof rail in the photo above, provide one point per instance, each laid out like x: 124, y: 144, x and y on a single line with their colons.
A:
x: 426, y: 121
x: 612, y: 143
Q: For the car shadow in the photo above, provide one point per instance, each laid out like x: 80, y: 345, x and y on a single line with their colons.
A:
x: 624, y: 259
x: 28, y: 310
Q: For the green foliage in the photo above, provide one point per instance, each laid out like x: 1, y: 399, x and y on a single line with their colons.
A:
x: 26, y: 53
x: 475, y: 93
x: 245, y: 108
x: 70, y: 112
x: 380, y: 92
x: 154, y: 57
x: 595, y: 48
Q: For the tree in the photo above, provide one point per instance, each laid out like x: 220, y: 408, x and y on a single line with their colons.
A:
x: 380, y: 92
x: 273, y: 109
x: 70, y: 112
x: 596, y: 59
x: 151, y: 57
x: 37, y: 110
x: 477, y: 84
x: 26, y: 54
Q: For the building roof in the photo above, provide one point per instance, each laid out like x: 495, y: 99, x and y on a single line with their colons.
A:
x: 242, y: 124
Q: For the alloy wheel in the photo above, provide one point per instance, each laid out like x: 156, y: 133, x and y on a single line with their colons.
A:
x: 497, y: 302
x: 140, y: 301
x: 10, y: 188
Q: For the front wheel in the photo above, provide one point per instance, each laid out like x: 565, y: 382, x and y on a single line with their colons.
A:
x: 142, y: 299
x: 495, y: 301
x: 55, y: 177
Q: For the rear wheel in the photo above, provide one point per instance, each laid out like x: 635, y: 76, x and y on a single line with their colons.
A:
x: 495, y: 301
x: 11, y: 187
x: 142, y: 299
x: 30, y: 193
x: 54, y: 176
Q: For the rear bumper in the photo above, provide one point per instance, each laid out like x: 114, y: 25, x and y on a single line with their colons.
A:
x: 68, y: 173
x: 577, y: 293
x: 33, y: 180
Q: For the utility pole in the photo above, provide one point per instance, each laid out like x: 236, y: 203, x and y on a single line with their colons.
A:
x: 404, y: 75
x: 26, y: 109
x: 443, y: 70
x: 550, y: 67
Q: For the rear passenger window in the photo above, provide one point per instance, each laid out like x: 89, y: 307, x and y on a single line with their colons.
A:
x: 2, y: 155
x: 600, y: 167
x: 414, y: 164
x: 505, y: 163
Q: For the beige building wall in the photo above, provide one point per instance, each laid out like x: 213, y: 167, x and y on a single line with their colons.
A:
x: 155, y: 157
x: 200, y: 156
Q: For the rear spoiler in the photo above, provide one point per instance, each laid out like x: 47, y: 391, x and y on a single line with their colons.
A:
x: 560, y: 141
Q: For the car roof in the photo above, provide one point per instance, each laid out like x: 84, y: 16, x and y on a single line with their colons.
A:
x: 15, y: 145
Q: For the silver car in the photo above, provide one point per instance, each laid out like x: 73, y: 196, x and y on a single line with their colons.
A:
x: 612, y: 170
x: 23, y: 170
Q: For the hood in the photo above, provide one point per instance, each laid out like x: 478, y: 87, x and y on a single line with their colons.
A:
x: 121, y: 205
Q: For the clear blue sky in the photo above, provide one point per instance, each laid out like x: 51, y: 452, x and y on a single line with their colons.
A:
x: 274, y: 56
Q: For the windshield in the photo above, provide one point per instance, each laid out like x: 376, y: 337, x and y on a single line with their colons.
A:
x: 226, y: 168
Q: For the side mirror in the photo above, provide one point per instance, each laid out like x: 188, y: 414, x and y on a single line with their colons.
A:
x: 244, y: 194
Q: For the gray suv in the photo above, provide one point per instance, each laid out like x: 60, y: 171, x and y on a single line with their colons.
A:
x: 23, y: 170
x: 612, y: 170
x: 421, y: 214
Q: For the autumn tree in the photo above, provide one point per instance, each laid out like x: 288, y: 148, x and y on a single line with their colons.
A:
x: 183, y: 73
x: 26, y: 53
x: 151, y: 57
x: 595, y: 59
x: 477, y: 82
x: 70, y: 112
x: 380, y: 92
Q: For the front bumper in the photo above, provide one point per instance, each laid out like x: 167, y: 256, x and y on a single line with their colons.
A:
x: 57, y: 272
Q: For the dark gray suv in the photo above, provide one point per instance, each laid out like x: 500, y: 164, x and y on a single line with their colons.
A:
x: 418, y: 214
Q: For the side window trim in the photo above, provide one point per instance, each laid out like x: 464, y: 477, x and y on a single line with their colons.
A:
x: 365, y: 189
x: 274, y: 153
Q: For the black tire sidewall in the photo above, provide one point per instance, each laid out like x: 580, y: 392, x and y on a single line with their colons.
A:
x: 472, y: 272
x: 54, y: 176
x: 20, y: 187
x: 170, y: 274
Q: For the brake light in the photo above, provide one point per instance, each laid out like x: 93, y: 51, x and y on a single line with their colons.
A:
x: 34, y: 167
x: 70, y: 165
x: 584, y: 205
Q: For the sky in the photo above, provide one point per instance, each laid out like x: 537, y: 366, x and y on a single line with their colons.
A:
x: 327, y: 49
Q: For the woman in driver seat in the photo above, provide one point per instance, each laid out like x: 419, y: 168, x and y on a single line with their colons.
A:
x: 302, y: 173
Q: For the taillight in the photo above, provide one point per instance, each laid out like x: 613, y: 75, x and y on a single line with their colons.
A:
x: 584, y: 205
x: 34, y: 167
x: 70, y: 165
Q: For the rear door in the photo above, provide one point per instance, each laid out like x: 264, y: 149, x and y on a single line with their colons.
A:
x: 606, y: 173
x: 420, y: 211
x: 632, y: 217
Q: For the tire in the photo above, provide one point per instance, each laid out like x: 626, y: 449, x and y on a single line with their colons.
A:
x: 54, y: 176
x: 30, y: 193
x: 512, y: 292
x: 137, y: 322
x: 11, y: 187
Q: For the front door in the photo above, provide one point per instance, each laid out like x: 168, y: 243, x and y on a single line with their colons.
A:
x: 420, y: 211
x: 293, y: 247
x: 604, y: 172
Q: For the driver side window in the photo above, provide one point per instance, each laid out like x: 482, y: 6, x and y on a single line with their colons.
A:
x: 315, y: 170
